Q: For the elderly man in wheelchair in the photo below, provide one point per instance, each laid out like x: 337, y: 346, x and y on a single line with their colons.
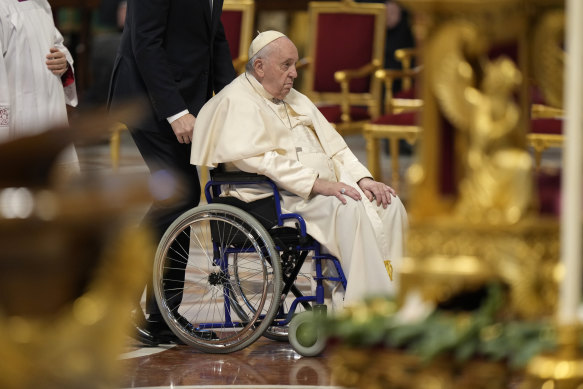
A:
x: 285, y: 184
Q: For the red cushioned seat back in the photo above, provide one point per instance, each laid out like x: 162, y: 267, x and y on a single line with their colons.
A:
x: 546, y: 126
x: 232, y: 22
x: 343, y: 41
x: 409, y: 118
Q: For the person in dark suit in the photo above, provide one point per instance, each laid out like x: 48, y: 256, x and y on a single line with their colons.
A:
x: 174, y: 55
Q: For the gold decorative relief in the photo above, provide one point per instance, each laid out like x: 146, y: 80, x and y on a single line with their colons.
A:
x: 450, y: 257
x: 548, y: 56
x: 450, y: 72
x: 476, y: 95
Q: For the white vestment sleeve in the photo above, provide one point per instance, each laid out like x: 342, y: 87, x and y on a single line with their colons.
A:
x: 4, y: 90
x: 347, y: 161
x: 286, y: 173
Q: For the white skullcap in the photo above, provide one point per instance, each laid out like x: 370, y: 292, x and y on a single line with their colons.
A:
x: 262, y: 40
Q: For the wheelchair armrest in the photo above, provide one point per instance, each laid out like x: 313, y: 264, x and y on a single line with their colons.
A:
x: 237, y: 176
x: 221, y: 177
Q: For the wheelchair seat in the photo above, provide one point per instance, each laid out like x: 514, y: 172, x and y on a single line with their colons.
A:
x: 264, y: 211
x: 242, y: 269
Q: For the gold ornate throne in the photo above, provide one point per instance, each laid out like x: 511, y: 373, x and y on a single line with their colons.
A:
x: 472, y: 205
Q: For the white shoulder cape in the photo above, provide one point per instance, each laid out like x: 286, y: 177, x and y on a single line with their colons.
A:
x: 237, y: 123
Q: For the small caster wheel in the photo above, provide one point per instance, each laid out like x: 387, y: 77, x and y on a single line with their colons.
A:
x: 305, y: 336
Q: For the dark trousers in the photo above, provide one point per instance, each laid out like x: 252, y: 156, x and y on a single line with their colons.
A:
x: 176, y: 189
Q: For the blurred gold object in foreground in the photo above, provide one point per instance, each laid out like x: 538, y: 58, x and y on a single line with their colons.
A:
x: 562, y: 369
x: 76, y: 345
x: 473, y: 211
x: 447, y: 257
x: 73, y: 264
x: 473, y: 203
x: 381, y: 368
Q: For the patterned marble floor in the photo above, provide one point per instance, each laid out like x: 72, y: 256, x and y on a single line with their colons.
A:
x: 264, y: 364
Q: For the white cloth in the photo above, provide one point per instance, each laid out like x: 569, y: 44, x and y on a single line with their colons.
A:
x: 361, y: 234
x: 240, y: 118
x: 32, y: 98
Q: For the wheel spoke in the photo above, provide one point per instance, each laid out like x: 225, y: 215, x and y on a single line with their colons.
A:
x: 233, y: 295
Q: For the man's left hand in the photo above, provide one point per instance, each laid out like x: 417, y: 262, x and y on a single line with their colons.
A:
x: 378, y: 191
x: 57, y: 62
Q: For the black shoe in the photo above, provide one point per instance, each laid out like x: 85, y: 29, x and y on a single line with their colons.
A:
x: 162, y: 333
x: 153, y: 332
x: 143, y: 336
x: 204, y: 335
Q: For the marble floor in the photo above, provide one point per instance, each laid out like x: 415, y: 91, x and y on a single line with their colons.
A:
x: 265, y: 364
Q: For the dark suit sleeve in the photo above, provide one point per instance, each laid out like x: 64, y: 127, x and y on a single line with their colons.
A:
x: 223, y: 71
x: 147, y: 34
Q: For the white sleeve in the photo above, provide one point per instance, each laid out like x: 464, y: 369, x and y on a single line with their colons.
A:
x: 286, y: 173
x: 351, y: 164
x: 4, y: 91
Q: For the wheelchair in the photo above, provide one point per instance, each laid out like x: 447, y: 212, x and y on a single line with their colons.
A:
x: 229, y: 272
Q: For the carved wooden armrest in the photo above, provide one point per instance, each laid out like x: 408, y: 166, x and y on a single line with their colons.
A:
x: 405, y: 56
x: 388, y: 76
x: 546, y: 111
x: 344, y: 76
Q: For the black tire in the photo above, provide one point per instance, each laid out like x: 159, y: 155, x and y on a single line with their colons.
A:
x: 250, y: 281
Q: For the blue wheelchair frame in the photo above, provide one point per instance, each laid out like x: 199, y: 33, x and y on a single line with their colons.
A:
x: 304, y: 244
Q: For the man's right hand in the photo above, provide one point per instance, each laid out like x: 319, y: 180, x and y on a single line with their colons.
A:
x: 337, y: 189
x: 183, y: 128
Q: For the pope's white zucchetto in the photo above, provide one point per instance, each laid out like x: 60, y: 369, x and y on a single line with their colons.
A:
x: 262, y: 40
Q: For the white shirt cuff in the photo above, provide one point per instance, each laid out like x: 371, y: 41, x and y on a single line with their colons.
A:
x: 178, y: 115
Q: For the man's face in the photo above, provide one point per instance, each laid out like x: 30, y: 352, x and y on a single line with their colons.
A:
x: 279, y: 68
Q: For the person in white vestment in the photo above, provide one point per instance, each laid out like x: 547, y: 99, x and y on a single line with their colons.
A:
x: 260, y: 124
x: 36, y: 73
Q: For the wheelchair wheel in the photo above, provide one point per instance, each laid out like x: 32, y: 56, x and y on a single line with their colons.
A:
x: 232, y: 278
x: 305, y: 335
x: 302, y: 285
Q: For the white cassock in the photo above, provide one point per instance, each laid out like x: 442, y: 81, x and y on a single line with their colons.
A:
x: 32, y: 98
x: 293, y: 144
